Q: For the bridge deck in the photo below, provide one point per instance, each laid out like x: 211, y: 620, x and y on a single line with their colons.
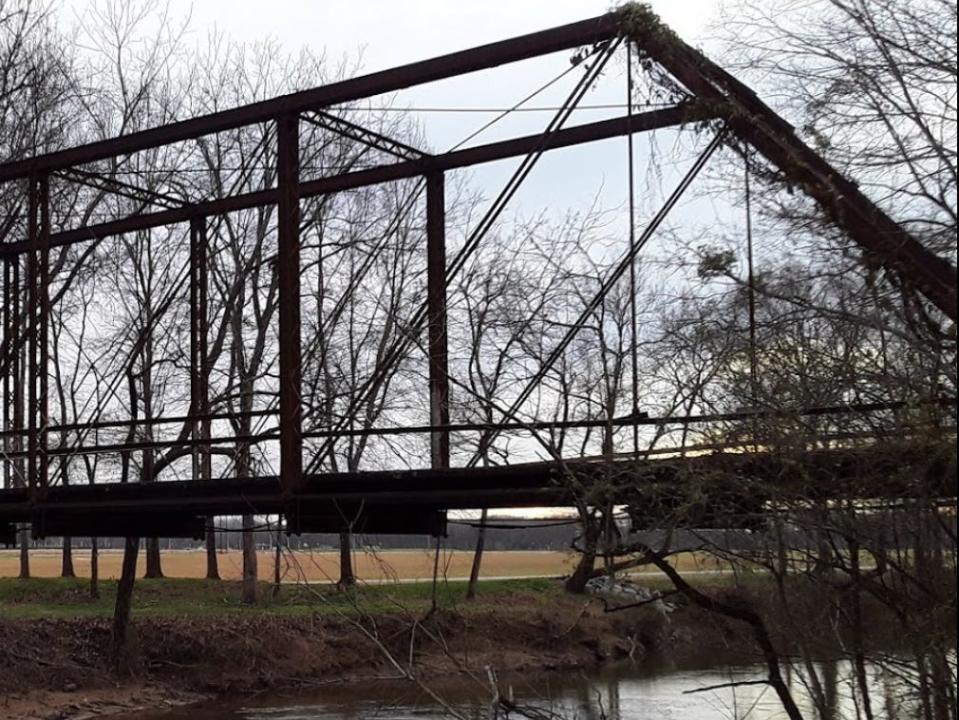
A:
x: 410, y: 500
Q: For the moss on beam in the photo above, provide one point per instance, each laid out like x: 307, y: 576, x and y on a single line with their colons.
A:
x: 638, y: 21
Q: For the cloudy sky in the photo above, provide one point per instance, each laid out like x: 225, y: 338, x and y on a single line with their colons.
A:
x: 385, y: 34
x: 392, y: 33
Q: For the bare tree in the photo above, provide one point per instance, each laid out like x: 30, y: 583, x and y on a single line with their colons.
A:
x: 34, y: 69
x: 497, y: 307
x: 364, y: 287
x: 873, y: 84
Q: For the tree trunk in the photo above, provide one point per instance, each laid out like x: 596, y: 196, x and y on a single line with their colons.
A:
x: 24, y: 541
x: 824, y: 559
x: 477, y: 557
x: 244, y: 466
x: 576, y: 583
x: 347, y: 577
x: 212, y: 565
x: 276, y: 560
x: 66, y: 563
x: 153, y: 569
x: 738, y: 610
x: 942, y: 682
x: 147, y: 474
x: 858, y: 649
x: 249, y: 561
x: 66, y: 568
x: 122, y: 645
x: 94, y: 570
x: 830, y: 681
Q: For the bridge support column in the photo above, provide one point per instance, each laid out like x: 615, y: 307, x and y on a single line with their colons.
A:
x: 436, y: 306
x: 199, y: 369
x: 200, y: 377
x: 38, y: 329
x: 10, y: 363
x: 14, y: 475
x: 288, y: 278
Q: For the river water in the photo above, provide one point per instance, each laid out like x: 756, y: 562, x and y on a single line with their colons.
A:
x: 645, y: 691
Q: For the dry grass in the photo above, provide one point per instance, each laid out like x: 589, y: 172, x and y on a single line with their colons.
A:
x: 313, y: 566
x: 324, y: 566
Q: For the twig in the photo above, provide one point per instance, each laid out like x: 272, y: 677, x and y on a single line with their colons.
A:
x: 579, y: 617
x: 720, y: 686
x: 666, y: 594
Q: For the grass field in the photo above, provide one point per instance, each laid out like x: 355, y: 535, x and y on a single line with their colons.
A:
x: 388, y: 582
x: 69, y: 597
x: 324, y: 566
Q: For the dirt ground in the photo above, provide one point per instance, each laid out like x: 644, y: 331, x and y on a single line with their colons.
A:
x: 90, y: 703
x: 324, y: 566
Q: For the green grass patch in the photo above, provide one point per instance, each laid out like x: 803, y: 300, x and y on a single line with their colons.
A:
x: 63, y: 597
x: 66, y: 597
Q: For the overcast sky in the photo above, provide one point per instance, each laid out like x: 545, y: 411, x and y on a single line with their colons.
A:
x: 392, y: 33
x: 384, y: 34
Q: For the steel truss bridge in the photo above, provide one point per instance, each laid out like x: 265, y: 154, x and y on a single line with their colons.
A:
x: 402, y: 500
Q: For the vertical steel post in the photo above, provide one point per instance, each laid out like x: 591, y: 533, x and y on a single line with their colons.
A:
x: 9, y: 349
x: 633, y: 313
x: 43, y: 332
x: 38, y: 327
x: 33, y: 236
x: 206, y: 458
x: 16, y: 371
x: 206, y: 467
x: 200, y: 372
x: 436, y: 312
x: 197, y: 333
x: 288, y: 280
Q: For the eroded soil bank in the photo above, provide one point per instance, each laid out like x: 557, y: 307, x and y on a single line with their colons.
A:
x: 195, y: 641
x: 61, y: 666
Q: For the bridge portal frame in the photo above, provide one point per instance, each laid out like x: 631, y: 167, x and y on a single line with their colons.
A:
x: 713, y: 95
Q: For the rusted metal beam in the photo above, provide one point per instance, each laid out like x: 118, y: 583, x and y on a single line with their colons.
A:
x: 206, y: 456
x: 491, y: 152
x: 34, y: 231
x: 288, y: 282
x: 10, y: 292
x: 30, y: 330
x: 102, y: 181
x: 16, y: 352
x: 199, y: 370
x: 565, y: 37
x: 330, y: 516
x: 883, y: 239
x: 66, y: 522
x: 149, y: 422
x: 227, y: 496
x: 43, y: 335
x: 363, y: 135
x: 835, y: 472
x: 436, y: 317
x: 945, y: 403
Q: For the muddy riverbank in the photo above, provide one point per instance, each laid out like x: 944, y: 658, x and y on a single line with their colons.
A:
x: 196, y: 640
x: 63, y: 666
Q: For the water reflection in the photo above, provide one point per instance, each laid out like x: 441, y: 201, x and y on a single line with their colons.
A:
x: 631, y: 692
